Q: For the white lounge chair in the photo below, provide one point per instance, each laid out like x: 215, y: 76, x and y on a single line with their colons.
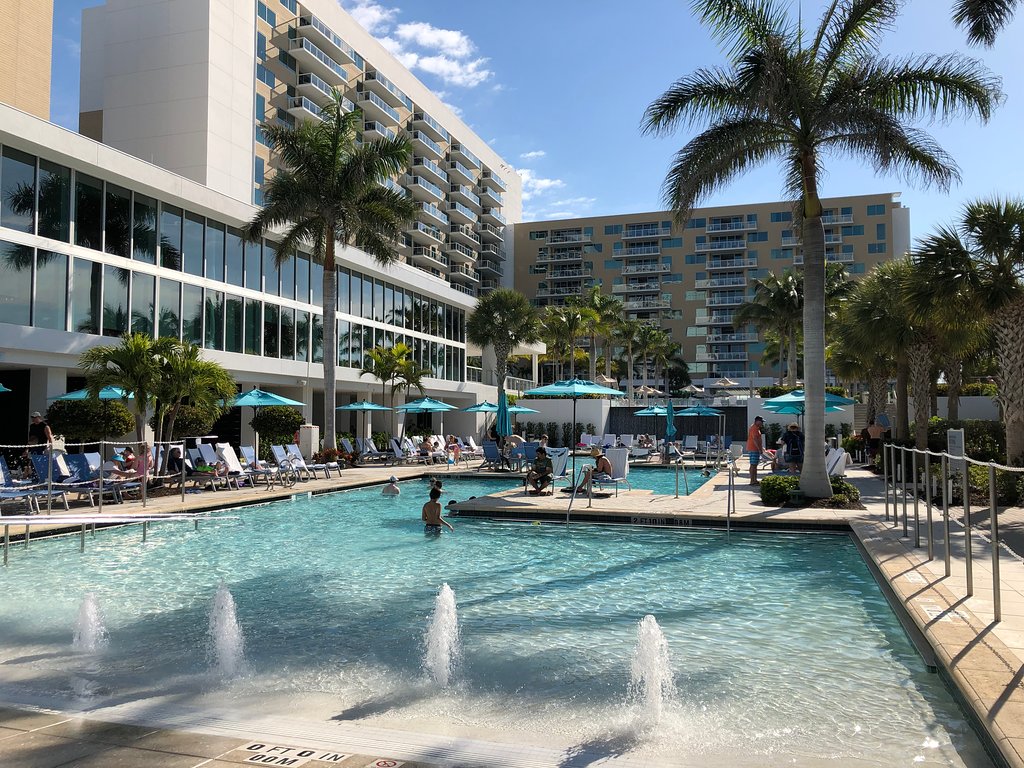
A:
x: 835, y: 462
x: 211, y: 457
x: 300, y: 463
x: 235, y: 469
x: 559, y: 465
x: 256, y: 469
x: 609, y: 441
x: 619, y: 459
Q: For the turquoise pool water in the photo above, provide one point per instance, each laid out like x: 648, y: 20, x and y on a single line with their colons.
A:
x: 782, y: 646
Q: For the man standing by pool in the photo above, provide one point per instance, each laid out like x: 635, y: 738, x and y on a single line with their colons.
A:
x: 755, y: 447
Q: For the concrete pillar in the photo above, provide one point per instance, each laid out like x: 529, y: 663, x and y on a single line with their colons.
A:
x: 535, y: 362
x: 45, y: 384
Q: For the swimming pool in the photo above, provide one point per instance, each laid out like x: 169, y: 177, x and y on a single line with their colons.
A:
x: 782, y: 646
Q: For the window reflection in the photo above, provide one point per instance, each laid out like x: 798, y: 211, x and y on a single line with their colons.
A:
x: 192, y: 313
x: 144, y: 229
x: 287, y: 333
x: 271, y: 276
x: 170, y: 308
x: 214, y: 320
x: 115, y: 300
x: 317, y: 335
x: 233, y: 324
x: 15, y: 283
x: 17, y: 190
x: 143, y: 295
x: 118, y: 225
x: 214, y: 250
x: 287, y: 269
x: 88, y: 212
x: 253, y: 269
x: 233, y: 257
x: 86, y: 296
x: 50, y: 307
x: 270, y: 331
x: 170, y: 237
x: 54, y: 201
x: 193, y: 244
x: 253, y: 327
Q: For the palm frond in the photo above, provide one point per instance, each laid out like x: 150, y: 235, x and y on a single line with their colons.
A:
x: 700, y: 96
x: 983, y: 19
x: 741, y: 24
x: 850, y: 32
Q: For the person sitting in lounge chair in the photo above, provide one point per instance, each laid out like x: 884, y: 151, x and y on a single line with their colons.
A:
x: 601, y: 470
x: 117, y: 466
x: 540, y: 476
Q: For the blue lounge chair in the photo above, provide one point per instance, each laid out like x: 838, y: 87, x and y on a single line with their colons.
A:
x: 492, y: 457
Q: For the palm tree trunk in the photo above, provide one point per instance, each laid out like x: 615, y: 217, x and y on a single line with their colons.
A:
x: 1010, y: 378
x: 593, y: 356
x: 954, y: 382
x: 814, y: 480
x: 902, y: 385
x: 629, y: 372
x: 792, y: 364
x: 919, y: 358
x: 330, y: 303
x: 608, y: 358
x: 878, y: 383
x: 782, y: 361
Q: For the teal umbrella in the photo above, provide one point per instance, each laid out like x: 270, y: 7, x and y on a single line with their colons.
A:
x: 256, y: 399
x: 670, y: 421
x: 797, y: 396
x: 513, y: 409
x: 3, y: 388
x: 362, y: 405
x: 653, y: 410
x: 485, y: 407
x: 574, y: 388
x: 503, y: 422
x: 427, y: 405
x: 107, y: 393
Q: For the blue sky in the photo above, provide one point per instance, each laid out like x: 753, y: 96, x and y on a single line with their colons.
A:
x: 559, y: 88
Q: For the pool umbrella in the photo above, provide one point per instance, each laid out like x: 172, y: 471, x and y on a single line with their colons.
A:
x: 797, y: 396
x: 703, y: 410
x: 362, y: 405
x: 503, y: 422
x: 670, y: 421
x: 653, y: 410
x: 105, y: 395
x: 427, y: 405
x: 574, y: 388
x: 256, y: 399
x: 517, y: 409
x: 3, y: 388
x: 485, y: 407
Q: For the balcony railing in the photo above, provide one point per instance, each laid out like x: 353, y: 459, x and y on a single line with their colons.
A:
x: 720, y: 282
x: 458, y: 148
x: 568, y: 237
x: 730, y: 226
x: 724, y: 301
x: 496, y: 215
x: 305, y: 46
x: 741, y: 263
x: 328, y: 33
x: 391, y: 88
x: 648, y: 304
x: 639, y: 250
x: 721, y: 245
x: 831, y: 258
x: 379, y: 103
x: 721, y: 357
x: 641, y: 269
x: 730, y: 338
x: 837, y: 218
x: 550, y: 257
x: 436, y: 127
x: 633, y: 233
x: 428, y: 142
x: 490, y: 177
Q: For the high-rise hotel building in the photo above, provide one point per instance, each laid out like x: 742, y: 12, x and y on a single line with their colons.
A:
x: 690, y: 279
x: 185, y: 84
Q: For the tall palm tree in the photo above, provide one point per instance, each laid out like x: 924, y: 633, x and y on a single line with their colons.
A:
x: 794, y: 100
x: 983, y: 19
x: 555, y: 335
x: 855, y: 357
x: 603, y: 311
x: 503, y: 319
x: 135, y: 365
x: 328, y: 192
x: 626, y: 333
x: 385, y: 364
x: 777, y: 305
x: 648, y: 339
x: 980, y: 265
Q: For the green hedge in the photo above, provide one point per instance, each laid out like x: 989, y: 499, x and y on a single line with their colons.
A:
x: 775, y: 489
x: 972, y: 389
x: 774, y: 390
x: 983, y: 440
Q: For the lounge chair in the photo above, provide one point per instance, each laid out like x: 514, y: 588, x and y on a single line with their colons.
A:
x: 287, y: 464
x: 255, y: 468
x: 87, y: 478
x: 470, y: 449
x: 368, y: 451
x: 835, y: 462
x: 226, y: 454
x: 60, y: 481
x: 11, y: 490
x: 300, y: 463
x: 619, y: 459
x: 559, y: 465
x: 609, y: 441
x: 492, y: 457
x: 209, y: 454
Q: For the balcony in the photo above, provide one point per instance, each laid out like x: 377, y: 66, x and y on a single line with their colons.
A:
x: 491, y: 251
x: 647, y: 231
x: 720, y: 282
x: 645, y: 269
x: 647, y: 304
x: 461, y: 214
x: 488, y: 266
x: 463, y: 194
x: 428, y: 256
x: 312, y: 27
x: 424, y: 122
x: 435, y: 213
x: 458, y: 151
x: 833, y: 239
x: 461, y: 173
x: 548, y: 258
x: 319, y: 90
x: 426, y: 234
x: 557, y: 290
x: 372, y: 130
x: 724, y: 301
x: 637, y: 287
x: 464, y: 289
x: 303, y: 109
x: 490, y: 233
x: 463, y: 233
x: 375, y: 107
x: 637, y: 250
x: 493, y: 216
x: 730, y: 338
x: 316, y: 61
x: 730, y: 226
x: 460, y: 252
x: 834, y: 218
x: 424, y: 166
x: 573, y: 273
x: 421, y: 189
x: 386, y: 90
x: 740, y: 263
x: 722, y: 245
x: 568, y: 237
x: 789, y: 242
x: 491, y: 179
x: 423, y: 143
x: 488, y: 285
x: 721, y: 357
x: 830, y: 258
x: 464, y: 274
x: 490, y: 196
x: 394, y: 186
x: 722, y: 318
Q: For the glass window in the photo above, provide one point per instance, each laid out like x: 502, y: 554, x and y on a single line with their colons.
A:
x: 253, y: 269
x: 15, y: 283
x: 192, y: 313
x: 54, y: 201
x: 344, y: 342
x: 86, y: 297
x: 233, y: 256
x: 214, y: 337
x: 302, y: 336
x: 317, y: 335
x: 170, y: 308
x: 170, y: 237
x: 17, y: 191
x: 370, y: 341
x: 389, y: 304
x: 378, y: 301
x: 115, y: 300
x: 193, y: 244
x: 253, y: 327
x: 302, y: 277
x: 50, y: 308
x: 270, y: 331
x: 350, y: 288
x: 287, y: 333
x: 214, y: 256
x: 367, y: 298
x: 271, y: 273
x: 233, y: 323
x: 287, y: 268
x: 144, y: 229
x: 316, y: 284
x: 143, y: 294
x: 88, y: 212
x: 119, y: 221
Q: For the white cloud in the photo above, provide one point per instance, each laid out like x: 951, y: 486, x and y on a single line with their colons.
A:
x: 468, y: 74
x: 453, y: 108
x: 373, y: 17
x: 534, y: 185
x: 449, y: 41
x: 561, y: 215
x: 535, y: 154
x: 574, y: 201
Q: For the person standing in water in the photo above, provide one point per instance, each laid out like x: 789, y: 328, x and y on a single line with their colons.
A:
x: 391, y: 489
x: 432, y: 520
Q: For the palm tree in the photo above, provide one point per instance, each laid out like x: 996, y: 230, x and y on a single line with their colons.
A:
x: 792, y: 100
x: 503, y: 319
x: 555, y: 335
x: 602, y: 311
x: 328, y: 192
x: 571, y: 322
x: 980, y: 265
x: 853, y: 357
x: 648, y: 339
x: 776, y: 306
x: 983, y: 19
x: 135, y: 365
x: 626, y: 333
x: 385, y: 364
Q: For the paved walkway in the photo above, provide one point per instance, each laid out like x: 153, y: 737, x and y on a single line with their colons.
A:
x: 983, y: 657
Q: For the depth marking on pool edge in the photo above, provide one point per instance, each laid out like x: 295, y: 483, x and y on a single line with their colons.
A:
x: 261, y: 753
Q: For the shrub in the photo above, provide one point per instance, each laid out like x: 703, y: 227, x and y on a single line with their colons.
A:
x: 590, y: 428
x: 983, y: 440
x: 85, y: 421
x: 381, y: 440
x: 772, y: 434
x: 276, y: 425
x: 326, y: 456
x: 830, y: 430
x: 844, y: 491
x: 971, y: 389
x: 567, y: 434
x: 551, y: 429
x: 775, y: 489
x: 846, y: 429
x: 190, y: 422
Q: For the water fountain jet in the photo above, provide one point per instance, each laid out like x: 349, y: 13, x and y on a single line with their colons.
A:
x: 226, y: 639
x: 90, y: 633
x: 442, y: 638
x: 651, y: 683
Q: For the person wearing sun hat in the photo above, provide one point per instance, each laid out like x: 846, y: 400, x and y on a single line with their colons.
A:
x: 391, y: 489
x: 793, y: 442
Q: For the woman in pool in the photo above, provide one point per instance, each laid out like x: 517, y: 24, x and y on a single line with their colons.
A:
x: 432, y: 520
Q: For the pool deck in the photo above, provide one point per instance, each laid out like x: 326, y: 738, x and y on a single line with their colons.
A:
x: 982, y: 658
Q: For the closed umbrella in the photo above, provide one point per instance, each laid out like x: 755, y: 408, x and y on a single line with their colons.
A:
x: 574, y: 388
x: 362, y: 406
x: 503, y: 422
x: 256, y: 399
